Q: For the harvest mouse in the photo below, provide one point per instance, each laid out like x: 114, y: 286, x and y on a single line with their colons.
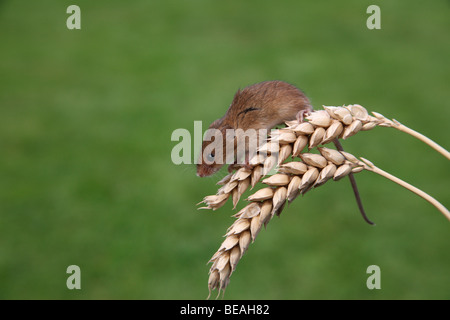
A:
x: 259, y: 106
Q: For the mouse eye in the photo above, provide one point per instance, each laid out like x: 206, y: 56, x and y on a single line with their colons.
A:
x: 210, y: 157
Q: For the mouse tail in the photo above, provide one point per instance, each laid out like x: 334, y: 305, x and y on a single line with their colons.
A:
x: 354, y: 187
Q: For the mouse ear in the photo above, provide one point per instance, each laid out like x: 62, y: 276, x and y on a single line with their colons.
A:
x: 236, y: 97
x: 216, y: 123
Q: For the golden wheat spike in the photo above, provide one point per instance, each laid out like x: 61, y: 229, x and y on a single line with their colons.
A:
x: 295, y: 177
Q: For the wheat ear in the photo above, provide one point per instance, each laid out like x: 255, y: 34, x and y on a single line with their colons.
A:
x: 292, y: 178
x: 323, y: 126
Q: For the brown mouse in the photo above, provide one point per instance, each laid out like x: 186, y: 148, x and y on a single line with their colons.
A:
x: 259, y: 106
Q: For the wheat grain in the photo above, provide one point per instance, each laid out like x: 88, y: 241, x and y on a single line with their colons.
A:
x: 333, y: 131
x: 262, y: 194
x: 279, y: 179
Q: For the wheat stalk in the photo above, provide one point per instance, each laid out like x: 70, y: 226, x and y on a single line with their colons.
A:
x: 292, y: 178
x: 397, y: 125
x: 371, y: 167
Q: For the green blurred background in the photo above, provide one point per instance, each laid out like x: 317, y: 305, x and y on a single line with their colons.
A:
x: 86, y: 118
